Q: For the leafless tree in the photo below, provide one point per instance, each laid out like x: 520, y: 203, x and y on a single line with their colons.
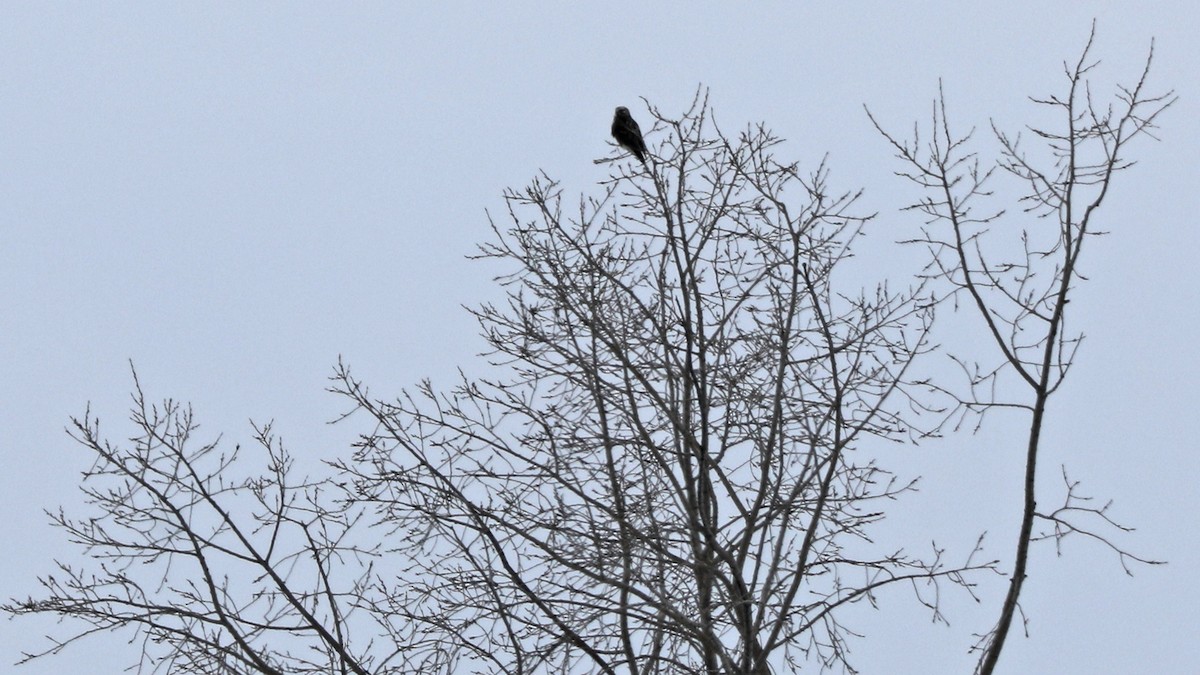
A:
x: 212, y: 573
x: 673, y: 463
x: 1022, y: 299
x: 664, y: 475
x: 664, y: 470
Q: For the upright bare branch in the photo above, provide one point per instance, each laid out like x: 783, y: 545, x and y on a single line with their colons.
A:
x: 1023, y: 299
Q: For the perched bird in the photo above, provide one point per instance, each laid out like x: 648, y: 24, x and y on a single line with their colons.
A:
x: 628, y: 133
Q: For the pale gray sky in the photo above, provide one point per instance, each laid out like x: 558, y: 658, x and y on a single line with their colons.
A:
x: 232, y: 195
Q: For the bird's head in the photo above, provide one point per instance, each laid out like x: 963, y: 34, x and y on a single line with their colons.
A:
x: 622, y: 111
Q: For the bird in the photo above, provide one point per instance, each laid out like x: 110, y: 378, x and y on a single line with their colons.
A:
x: 628, y: 133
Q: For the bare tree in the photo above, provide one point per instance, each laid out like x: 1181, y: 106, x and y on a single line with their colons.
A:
x: 674, y: 462
x: 664, y: 476
x: 212, y: 573
x: 1022, y: 299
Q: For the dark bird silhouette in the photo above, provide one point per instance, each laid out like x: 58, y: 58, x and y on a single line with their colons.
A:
x: 628, y: 133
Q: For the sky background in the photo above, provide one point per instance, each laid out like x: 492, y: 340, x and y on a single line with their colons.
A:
x: 233, y: 195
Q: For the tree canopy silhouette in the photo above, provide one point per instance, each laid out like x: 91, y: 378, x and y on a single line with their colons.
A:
x: 677, y: 457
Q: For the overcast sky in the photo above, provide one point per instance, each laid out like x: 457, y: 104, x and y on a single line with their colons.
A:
x: 232, y: 195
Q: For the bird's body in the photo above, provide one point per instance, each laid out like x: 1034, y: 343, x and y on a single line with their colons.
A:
x: 628, y: 133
